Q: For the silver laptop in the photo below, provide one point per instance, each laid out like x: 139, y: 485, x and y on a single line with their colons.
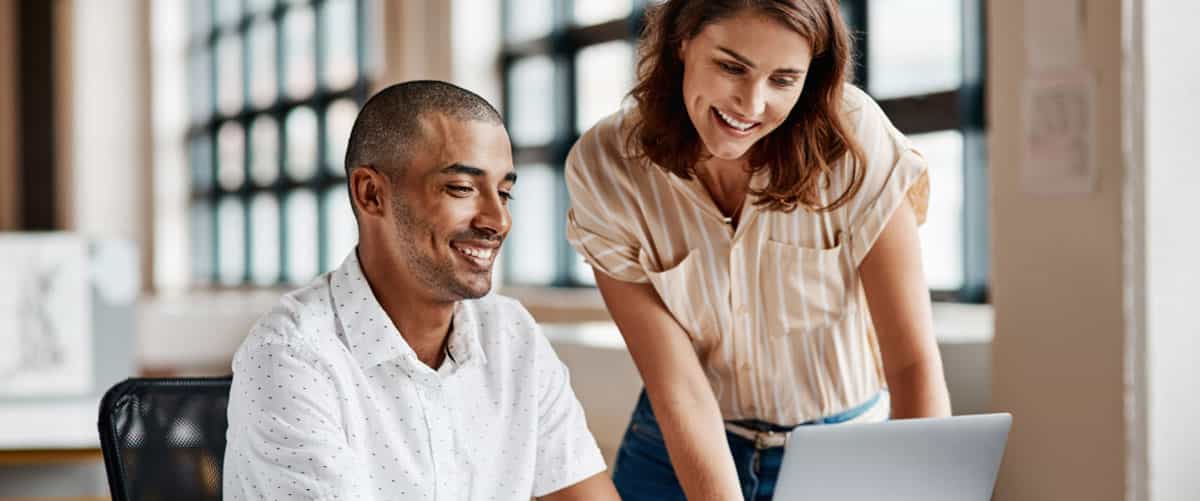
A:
x: 935, y: 459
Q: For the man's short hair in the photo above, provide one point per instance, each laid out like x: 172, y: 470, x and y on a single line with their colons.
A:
x: 388, y: 127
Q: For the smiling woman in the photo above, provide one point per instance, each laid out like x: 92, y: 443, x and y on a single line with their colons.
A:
x: 751, y: 218
x: 758, y: 83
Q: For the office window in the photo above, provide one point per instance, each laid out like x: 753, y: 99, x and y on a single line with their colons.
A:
x: 273, y: 89
x: 566, y: 64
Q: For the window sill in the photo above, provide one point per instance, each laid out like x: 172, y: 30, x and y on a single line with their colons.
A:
x: 198, y: 332
x: 558, y: 308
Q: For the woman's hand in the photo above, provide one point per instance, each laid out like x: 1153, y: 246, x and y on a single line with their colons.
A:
x: 683, y: 401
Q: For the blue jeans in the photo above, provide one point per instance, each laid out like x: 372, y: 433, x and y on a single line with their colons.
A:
x: 643, y: 470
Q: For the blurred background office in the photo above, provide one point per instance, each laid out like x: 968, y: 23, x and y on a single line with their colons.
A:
x: 193, y: 150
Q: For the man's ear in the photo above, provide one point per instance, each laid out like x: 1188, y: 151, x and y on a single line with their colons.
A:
x: 368, y: 189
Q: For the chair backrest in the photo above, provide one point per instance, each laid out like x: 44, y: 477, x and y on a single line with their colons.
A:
x: 164, y: 439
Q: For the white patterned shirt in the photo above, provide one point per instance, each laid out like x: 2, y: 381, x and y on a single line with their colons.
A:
x: 329, y: 402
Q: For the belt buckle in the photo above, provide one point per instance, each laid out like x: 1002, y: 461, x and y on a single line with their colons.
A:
x: 768, y: 439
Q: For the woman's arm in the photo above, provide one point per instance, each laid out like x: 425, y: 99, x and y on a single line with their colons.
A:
x: 680, y: 395
x: 899, y: 302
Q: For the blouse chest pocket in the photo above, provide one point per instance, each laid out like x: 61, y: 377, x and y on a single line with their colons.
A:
x: 805, y: 289
x: 682, y: 289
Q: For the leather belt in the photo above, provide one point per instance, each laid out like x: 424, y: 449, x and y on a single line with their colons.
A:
x: 761, y: 439
x: 874, y: 410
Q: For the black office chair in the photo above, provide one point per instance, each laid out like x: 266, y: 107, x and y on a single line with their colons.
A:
x: 164, y: 439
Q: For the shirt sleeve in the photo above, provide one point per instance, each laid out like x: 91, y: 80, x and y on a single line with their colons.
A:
x: 895, y: 173
x: 598, y: 220
x: 566, y: 450
x: 284, y: 437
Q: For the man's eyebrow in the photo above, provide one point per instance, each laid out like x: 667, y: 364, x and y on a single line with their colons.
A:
x: 457, y: 168
x: 473, y: 171
x: 746, y: 61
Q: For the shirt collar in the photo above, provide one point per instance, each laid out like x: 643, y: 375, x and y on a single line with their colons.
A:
x: 695, y: 191
x: 372, y: 337
x: 464, y: 345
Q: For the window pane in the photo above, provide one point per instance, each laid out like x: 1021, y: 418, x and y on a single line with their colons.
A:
x: 199, y: 96
x: 232, y: 241
x: 229, y: 74
x: 337, y: 18
x: 581, y: 271
x: 529, y: 19
x: 199, y: 18
x: 264, y: 150
x: 301, y: 143
x: 906, y: 61
x: 262, y: 63
x: 605, y: 74
x: 592, y: 12
x: 343, y: 231
x: 532, y: 97
x: 231, y: 151
x: 301, y: 236
x: 200, y: 158
x: 531, y: 241
x: 258, y: 6
x: 228, y: 12
x: 201, y: 240
x: 299, y: 25
x: 339, y: 119
x: 942, y: 233
x: 264, y: 239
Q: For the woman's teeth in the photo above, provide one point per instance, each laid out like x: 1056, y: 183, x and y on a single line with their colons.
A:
x: 737, y: 124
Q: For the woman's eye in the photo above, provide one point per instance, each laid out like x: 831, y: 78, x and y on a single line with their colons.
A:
x: 730, y: 68
x: 507, y: 196
x: 784, y: 82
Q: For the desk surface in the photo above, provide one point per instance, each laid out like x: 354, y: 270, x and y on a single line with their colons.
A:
x: 48, y: 456
x: 62, y: 425
x: 84, y: 498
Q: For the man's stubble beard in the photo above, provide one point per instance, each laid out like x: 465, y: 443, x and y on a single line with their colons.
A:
x: 438, y: 277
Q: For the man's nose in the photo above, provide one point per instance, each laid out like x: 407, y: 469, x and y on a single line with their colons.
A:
x: 493, y: 214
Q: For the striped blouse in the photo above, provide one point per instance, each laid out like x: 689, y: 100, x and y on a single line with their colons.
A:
x: 774, y: 309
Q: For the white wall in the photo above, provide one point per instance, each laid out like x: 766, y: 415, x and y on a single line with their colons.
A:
x: 1058, y: 285
x: 415, y: 40
x: 1094, y: 350
x: 107, y: 127
x: 1172, y: 244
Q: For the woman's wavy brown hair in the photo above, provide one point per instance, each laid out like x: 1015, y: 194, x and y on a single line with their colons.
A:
x: 809, y: 143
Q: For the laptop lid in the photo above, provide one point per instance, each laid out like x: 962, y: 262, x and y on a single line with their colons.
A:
x: 934, y: 459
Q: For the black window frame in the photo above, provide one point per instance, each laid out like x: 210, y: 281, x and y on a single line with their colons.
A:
x: 319, y: 100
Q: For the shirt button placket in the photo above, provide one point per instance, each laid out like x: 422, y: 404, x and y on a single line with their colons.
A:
x: 442, y: 439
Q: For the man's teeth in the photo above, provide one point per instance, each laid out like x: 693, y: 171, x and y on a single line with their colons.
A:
x: 734, y: 122
x: 476, y: 253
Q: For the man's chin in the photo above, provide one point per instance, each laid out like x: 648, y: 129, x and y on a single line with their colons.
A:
x: 475, y: 287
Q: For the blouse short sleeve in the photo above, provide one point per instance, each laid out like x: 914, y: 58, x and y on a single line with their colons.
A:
x: 602, y: 205
x: 895, y: 173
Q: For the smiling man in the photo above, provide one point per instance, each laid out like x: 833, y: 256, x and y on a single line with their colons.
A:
x: 397, y: 376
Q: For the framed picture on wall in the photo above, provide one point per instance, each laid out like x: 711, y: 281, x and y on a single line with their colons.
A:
x: 67, y: 333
